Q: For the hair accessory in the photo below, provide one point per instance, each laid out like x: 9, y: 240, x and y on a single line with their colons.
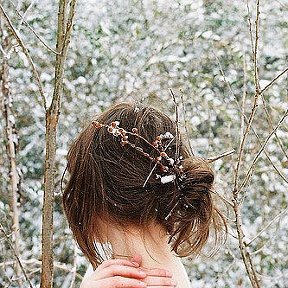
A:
x: 171, y: 167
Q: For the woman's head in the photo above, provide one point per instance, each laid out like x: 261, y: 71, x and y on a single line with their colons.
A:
x: 114, y: 183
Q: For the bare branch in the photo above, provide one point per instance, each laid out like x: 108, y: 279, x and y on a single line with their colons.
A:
x: 270, y: 240
x: 11, y: 149
x: 271, y: 127
x: 282, y: 4
x: 149, y: 175
x: 26, y: 11
x: 244, y: 94
x: 177, y: 124
x: 267, y: 226
x: 224, y: 199
x: 185, y: 123
x: 250, y: 170
x: 255, y: 55
x: 32, y: 30
x: 228, y: 153
x: 243, y: 249
x: 256, y: 96
x: 269, y: 84
x: 266, y: 87
x: 274, y: 80
x: 27, y: 54
x: 250, y: 28
x: 223, y: 275
x: 59, y: 265
x: 15, y: 254
x: 2, y: 51
x: 246, y: 119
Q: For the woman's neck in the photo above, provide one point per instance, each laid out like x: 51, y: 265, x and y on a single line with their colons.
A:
x: 152, y: 245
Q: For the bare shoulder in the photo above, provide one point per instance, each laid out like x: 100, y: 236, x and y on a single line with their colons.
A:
x: 89, y: 271
x: 182, y: 278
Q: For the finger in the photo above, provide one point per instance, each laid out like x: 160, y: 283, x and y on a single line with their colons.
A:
x: 159, y: 281
x: 108, y: 263
x: 120, y: 270
x: 157, y: 272
x: 117, y: 282
x: 137, y: 258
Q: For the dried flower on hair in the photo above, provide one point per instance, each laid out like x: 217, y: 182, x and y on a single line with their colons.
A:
x: 117, y: 131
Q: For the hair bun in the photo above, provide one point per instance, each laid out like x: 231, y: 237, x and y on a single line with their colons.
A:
x: 198, y: 175
x: 195, y: 211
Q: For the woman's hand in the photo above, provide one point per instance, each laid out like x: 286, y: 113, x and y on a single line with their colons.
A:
x: 127, y: 274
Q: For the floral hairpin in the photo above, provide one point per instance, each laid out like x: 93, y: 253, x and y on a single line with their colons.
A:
x: 171, y: 165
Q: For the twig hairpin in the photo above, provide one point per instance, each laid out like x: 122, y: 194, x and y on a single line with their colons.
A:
x: 171, y: 165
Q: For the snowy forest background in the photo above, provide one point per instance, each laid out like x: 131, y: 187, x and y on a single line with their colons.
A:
x: 221, y: 58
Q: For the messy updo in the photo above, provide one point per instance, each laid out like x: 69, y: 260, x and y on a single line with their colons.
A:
x: 114, y: 183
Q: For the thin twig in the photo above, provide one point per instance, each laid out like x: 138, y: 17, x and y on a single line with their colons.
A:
x: 33, y: 31
x: 251, y: 117
x: 149, y: 175
x: 69, y: 25
x: 243, y: 249
x: 270, y: 240
x: 274, y: 80
x: 227, y: 269
x: 26, y: 11
x: 255, y: 58
x: 224, y: 199
x: 11, y: 141
x: 15, y: 254
x: 282, y: 4
x: 27, y: 54
x: 250, y: 170
x: 32, y: 261
x: 213, y: 159
x: 185, y: 122
x: 256, y: 96
x: 271, y: 127
x: 2, y: 51
x: 177, y: 125
x: 145, y: 140
x: 250, y: 269
x: 246, y: 119
x: 250, y: 28
x: 269, y: 84
x: 267, y: 226
x: 244, y: 94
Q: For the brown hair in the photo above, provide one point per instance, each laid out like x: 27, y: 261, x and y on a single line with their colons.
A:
x: 106, y: 182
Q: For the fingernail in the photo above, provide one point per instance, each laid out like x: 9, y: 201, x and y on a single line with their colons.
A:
x: 136, y: 264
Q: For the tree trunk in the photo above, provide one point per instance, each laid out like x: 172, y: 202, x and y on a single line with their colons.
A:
x: 52, y: 117
x: 11, y: 145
